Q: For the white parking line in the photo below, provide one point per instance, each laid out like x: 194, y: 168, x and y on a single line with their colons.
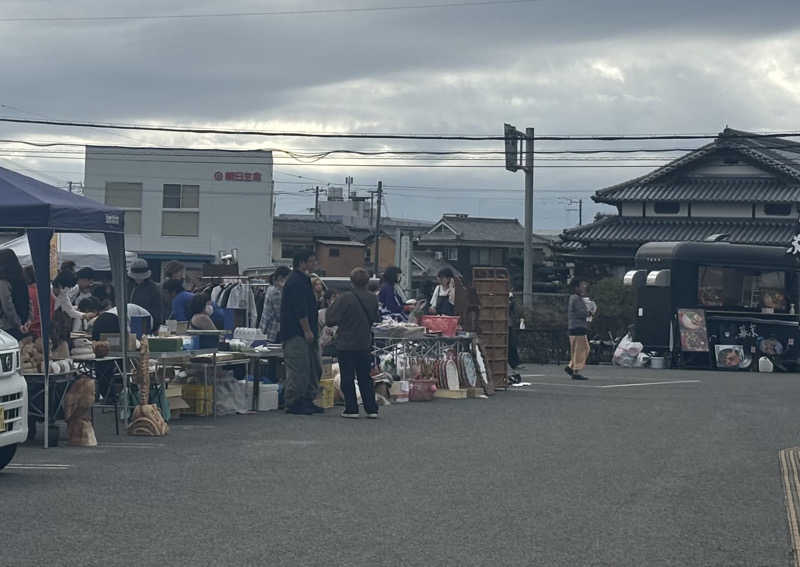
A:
x: 42, y: 467
x: 650, y: 383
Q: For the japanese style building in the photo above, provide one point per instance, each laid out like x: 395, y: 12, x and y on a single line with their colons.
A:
x: 742, y: 188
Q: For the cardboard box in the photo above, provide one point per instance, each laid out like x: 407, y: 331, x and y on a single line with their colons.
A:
x: 399, y: 391
x: 327, y: 390
x: 451, y: 394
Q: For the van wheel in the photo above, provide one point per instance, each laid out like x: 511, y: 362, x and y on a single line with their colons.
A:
x: 6, y: 454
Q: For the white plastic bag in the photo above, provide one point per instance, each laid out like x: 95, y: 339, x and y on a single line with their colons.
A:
x: 627, y: 353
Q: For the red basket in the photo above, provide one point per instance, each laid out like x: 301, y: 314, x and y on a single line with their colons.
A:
x: 444, y: 324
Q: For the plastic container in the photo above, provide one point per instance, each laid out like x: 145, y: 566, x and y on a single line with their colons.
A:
x: 421, y: 390
x: 444, y: 324
x: 267, y: 397
x: 657, y: 362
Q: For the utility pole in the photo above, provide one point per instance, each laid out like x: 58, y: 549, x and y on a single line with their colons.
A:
x: 527, y: 293
x: 578, y: 202
x: 378, y: 228
x: 580, y: 211
x: 316, y: 203
x: 514, y: 142
x: 70, y: 186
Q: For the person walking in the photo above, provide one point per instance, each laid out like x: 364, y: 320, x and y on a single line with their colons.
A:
x: 145, y: 292
x: 578, y: 329
x: 299, y: 333
x: 354, y: 313
x: 271, y: 314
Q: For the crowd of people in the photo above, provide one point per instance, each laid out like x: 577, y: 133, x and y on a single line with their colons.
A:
x: 298, y: 311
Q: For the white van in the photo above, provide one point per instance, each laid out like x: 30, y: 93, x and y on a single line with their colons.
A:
x: 13, y: 400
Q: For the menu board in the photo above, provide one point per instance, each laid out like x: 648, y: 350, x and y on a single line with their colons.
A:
x: 692, y: 325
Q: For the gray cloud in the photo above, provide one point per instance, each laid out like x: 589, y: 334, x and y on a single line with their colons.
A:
x: 565, y: 67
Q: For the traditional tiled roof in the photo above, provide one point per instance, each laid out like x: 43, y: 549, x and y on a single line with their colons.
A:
x: 310, y: 228
x: 638, y: 230
x: 427, y: 264
x: 463, y: 228
x: 709, y: 189
x: 775, y: 155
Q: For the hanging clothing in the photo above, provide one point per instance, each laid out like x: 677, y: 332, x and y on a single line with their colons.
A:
x: 271, y: 315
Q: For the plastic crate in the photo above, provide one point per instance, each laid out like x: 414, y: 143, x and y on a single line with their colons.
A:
x: 200, y: 399
x: 445, y: 324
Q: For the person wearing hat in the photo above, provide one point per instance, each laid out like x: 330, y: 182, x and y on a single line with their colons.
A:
x: 145, y: 292
x: 83, y: 289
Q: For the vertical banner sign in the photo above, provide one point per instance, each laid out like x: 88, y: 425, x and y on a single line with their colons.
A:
x: 405, y: 263
x: 55, y: 244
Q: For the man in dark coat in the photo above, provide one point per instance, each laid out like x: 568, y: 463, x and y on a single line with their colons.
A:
x: 145, y: 293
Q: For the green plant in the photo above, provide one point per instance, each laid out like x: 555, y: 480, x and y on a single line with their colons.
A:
x: 615, y: 307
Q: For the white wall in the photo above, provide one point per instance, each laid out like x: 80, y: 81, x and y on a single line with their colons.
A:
x: 715, y: 210
x: 632, y: 209
x: 233, y: 214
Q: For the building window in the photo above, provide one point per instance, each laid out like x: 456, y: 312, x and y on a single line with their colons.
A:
x: 497, y: 257
x: 127, y: 196
x: 181, y: 214
x: 778, y: 209
x: 181, y: 196
x: 333, y: 252
x: 667, y: 208
x: 451, y: 254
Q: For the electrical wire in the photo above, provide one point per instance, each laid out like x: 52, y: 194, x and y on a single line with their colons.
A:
x: 602, y: 138
x: 309, y: 12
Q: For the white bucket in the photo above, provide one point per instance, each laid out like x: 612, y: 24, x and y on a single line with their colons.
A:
x: 267, y: 397
x: 657, y: 362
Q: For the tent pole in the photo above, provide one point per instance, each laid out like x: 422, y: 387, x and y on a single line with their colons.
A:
x: 39, y: 243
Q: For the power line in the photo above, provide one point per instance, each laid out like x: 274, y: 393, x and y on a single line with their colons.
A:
x: 791, y: 146
x: 181, y: 129
x: 318, y: 11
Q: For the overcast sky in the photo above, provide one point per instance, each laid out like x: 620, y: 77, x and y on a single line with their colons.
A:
x: 561, y: 66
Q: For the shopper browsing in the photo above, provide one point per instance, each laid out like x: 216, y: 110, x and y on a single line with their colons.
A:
x: 83, y: 288
x: 391, y: 297
x: 299, y: 334
x: 145, y: 293
x: 271, y: 314
x: 61, y: 302
x: 15, y: 309
x: 201, y: 310
x: 179, y: 300
x: 173, y: 270
x: 578, y: 329
x: 354, y: 313
x: 443, y: 301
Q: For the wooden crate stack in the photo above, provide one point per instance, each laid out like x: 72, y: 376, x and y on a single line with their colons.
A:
x: 492, y: 286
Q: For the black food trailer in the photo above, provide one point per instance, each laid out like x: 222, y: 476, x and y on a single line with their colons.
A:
x: 717, y: 304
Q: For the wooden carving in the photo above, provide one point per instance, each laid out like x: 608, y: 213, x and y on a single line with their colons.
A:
x: 77, y: 406
x: 146, y: 420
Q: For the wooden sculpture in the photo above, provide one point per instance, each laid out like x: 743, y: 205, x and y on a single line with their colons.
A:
x: 146, y: 420
x: 77, y: 405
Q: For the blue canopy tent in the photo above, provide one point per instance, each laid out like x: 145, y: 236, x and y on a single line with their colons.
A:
x: 40, y: 210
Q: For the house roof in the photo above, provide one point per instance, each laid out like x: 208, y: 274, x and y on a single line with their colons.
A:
x: 313, y: 229
x: 709, y: 189
x: 428, y: 265
x: 634, y: 231
x: 775, y: 155
x: 463, y: 228
x: 341, y: 243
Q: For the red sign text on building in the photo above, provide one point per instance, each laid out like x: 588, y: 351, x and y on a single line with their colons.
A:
x: 238, y: 176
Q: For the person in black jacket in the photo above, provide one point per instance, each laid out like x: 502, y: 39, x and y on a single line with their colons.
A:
x: 145, y: 293
x: 300, y: 337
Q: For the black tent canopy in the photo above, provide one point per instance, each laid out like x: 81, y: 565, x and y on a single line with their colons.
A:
x: 40, y: 210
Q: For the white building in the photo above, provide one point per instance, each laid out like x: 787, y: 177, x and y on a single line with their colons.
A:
x: 187, y: 205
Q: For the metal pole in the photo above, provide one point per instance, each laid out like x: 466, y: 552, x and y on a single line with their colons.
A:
x: 527, y: 292
x: 580, y: 211
x: 378, y: 229
x: 316, y: 202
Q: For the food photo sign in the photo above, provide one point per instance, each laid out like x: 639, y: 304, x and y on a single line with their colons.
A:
x: 692, y: 324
